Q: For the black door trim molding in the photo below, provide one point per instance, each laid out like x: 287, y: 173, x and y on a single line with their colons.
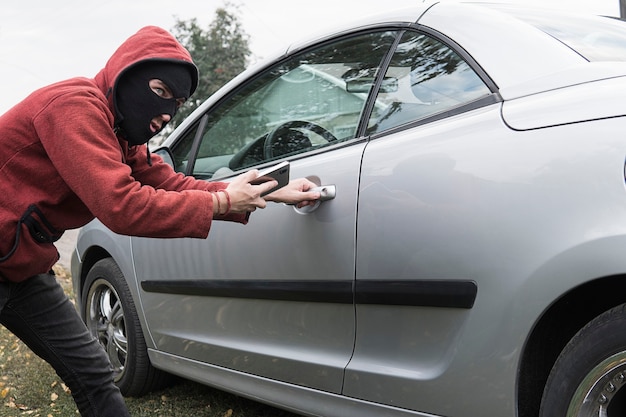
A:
x: 418, y: 293
x: 426, y: 293
x: 313, y: 291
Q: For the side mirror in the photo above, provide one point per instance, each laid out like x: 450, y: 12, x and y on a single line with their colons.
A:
x: 165, y: 153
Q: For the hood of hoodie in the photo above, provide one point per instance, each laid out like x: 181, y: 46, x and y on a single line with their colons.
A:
x: 149, y: 43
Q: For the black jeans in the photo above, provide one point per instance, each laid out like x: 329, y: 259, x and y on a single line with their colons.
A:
x: 38, y: 312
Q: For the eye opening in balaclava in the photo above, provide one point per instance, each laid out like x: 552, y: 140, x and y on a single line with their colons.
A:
x: 136, y: 104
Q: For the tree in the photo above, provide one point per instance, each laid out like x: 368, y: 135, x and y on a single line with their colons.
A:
x: 220, y: 53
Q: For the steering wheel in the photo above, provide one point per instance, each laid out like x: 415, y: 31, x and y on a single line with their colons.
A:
x: 284, y: 128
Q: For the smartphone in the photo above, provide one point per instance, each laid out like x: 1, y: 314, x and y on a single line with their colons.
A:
x: 279, y: 172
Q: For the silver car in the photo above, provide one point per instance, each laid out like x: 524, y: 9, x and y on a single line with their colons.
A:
x: 468, y: 259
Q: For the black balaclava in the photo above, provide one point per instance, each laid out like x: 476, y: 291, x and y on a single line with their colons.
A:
x: 136, y: 104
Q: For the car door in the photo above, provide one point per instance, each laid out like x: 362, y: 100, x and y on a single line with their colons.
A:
x: 413, y: 292
x: 273, y: 298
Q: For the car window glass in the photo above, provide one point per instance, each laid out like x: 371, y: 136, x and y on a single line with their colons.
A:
x: 181, y: 152
x: 431, y: 78
x: 309, y: 101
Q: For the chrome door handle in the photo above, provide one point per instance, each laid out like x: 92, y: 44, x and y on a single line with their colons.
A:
x: 327, y: 192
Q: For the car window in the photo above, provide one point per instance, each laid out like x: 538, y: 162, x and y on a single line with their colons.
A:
x: 429, y: 78
x: 181, y: 153
x: 311, y: 100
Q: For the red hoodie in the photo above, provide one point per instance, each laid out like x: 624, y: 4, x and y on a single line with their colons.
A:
x: 60, y: 157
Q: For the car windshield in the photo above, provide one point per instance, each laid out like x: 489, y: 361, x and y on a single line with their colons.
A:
x: 596, y: 38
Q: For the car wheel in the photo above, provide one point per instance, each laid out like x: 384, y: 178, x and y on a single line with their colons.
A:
x: 111, y: 316
x: 589, y: 377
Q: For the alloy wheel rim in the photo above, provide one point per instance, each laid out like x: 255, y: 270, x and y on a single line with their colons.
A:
x: 105, y: 319
x: 601, y: 389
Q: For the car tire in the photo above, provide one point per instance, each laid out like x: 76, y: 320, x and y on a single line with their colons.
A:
x: 110, y: 314
x: 589, y: 377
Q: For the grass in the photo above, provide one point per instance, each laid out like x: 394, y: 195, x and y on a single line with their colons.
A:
x: 29, y: 387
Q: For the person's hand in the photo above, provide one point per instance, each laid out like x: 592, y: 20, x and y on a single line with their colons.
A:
x: 296, y: 192
x: 245, y: 196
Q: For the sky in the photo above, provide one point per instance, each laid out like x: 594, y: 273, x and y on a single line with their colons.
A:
x: 43, y: 41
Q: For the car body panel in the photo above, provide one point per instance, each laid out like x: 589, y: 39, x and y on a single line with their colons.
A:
x: 98, y: 236
x: 300, y: 400
x: 582, y: 102
x: 578, y: 74
x: 448, y: 180
x: 416, y: 290
x: 281, y: 243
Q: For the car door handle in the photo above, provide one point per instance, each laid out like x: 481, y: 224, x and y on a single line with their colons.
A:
x: 327, y: 192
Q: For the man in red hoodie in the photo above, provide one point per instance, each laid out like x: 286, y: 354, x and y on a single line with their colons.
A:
x: 76, y: 150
